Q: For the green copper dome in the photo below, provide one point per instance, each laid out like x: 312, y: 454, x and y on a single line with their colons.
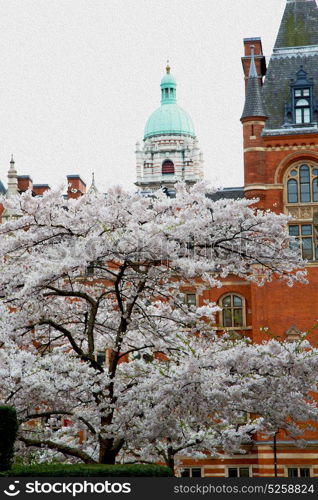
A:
x: 169, y: 118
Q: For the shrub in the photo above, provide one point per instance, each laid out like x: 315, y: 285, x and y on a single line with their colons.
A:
x: 90, y: 470
x: 8, y: 432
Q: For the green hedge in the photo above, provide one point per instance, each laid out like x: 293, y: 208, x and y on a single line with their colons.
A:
x: 8, y: 432
x: 91, y: 470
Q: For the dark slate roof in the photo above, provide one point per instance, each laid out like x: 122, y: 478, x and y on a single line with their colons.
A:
x: 233, y: 193
x: 299, y: 24
x: 2, y: 188
x: 296, y: 46
x: 253, y: 100
x: 276, y: 88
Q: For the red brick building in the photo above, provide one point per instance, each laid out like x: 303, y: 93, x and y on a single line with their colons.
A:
x: 280, y: 137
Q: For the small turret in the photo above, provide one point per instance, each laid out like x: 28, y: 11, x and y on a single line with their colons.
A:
x: 12, y: 179
x: 253, y: 101
x: 92, y: 189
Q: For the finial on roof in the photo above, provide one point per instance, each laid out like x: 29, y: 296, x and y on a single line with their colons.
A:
x: 253, y: 71
x: 168, y: 67
x: 93, y: 188
x: 12, y: 159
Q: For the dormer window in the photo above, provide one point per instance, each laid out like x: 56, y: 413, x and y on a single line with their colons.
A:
x: 302, y: 106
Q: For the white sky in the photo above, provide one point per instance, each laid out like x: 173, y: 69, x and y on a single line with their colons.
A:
x: 79, y: 78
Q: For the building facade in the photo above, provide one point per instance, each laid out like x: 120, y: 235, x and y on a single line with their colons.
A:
x: 280, y: 138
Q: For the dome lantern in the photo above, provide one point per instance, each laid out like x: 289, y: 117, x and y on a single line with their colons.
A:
x: 169, y: 118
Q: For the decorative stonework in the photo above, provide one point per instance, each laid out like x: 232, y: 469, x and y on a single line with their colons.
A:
x: 182, y: 151
x: 293, y: 333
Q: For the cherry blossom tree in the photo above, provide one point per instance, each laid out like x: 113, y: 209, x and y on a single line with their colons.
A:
x: 104, y: 274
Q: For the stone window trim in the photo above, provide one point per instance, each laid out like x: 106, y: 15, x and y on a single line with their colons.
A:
x: 232, y: 307
x: 295, y: 174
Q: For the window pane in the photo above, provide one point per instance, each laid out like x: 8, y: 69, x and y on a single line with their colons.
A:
x: 299, y: 117
x: 238, y: 317
x: 196, y: 472
x: 304, y: 173
x: 315, y: 171
x: 185, y: 473
x: 305, y: 192
x: 307, y: 248
x: 305, y: 92
x: 298, y: 93
x: 293, y: 173
x: 302, y: 102
x: 101, y: 357
x: 237, y: 301
x: 315, y: 189
x: 191, y: 299
x: 292, y: 191
x: 233, y: 472
x: 244, y: 472
x: 306, y: 115
x: 292, y: 472
x: 306, y: 229
x: 226, y: 301
x: 304, y: 183
x: 293, y: 230
x: 227, y: 317
x: 304, y: 472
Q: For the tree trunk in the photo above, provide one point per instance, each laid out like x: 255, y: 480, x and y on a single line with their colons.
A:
x: 170, y: 461
x: 108, y: 450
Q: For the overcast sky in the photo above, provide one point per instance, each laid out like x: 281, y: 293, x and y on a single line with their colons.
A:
x: 79, y: 78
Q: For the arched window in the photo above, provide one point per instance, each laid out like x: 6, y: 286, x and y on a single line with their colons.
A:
x: 302, y: 191
x: 302, y: 184
x: 167, y: 168
x: 233, y: 311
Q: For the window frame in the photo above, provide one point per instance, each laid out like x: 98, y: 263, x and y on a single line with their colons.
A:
x: 188, y: 294
x: 312, y: 165
x: 220, y: 303
x: 238, y: 468
x: 302, y: 107
x: 298, y: 467
x: 190, y: 469
x: 303, y: 213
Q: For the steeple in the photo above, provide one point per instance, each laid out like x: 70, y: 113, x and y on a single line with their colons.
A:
x: 253, y: 101
x: 299, y: 25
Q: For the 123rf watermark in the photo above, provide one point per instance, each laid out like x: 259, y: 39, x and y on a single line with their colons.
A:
x: 72, y: 488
